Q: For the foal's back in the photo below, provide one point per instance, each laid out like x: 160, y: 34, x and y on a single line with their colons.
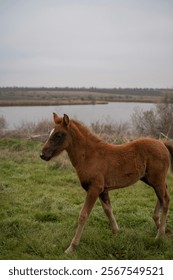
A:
x: 125, y: 164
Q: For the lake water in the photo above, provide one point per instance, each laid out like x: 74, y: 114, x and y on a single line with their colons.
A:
x: 117, y: 112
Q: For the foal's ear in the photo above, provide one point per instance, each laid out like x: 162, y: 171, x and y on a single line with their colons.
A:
x: 55, y: 117
x: 66, y: 120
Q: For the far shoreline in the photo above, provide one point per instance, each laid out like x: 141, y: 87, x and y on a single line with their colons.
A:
x: 15, y: 103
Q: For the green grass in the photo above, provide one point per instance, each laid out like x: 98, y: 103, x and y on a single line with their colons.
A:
x: 40, y: 203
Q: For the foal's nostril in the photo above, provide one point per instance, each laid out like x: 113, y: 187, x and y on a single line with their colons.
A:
x: 42, y: 156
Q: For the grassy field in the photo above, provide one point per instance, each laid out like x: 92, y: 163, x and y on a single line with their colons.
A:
x: 40, y: 203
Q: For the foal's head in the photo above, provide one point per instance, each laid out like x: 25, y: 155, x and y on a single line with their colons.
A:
x: 58, y: 140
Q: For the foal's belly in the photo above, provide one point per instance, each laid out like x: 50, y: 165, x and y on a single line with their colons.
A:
x: 124, y: 170
x: 122, y: 182
x: 119, y: 179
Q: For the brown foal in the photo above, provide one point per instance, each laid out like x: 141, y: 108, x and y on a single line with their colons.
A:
x: 102, y: 167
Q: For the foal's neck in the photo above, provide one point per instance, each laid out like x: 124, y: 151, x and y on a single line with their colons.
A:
x: 82, y: 143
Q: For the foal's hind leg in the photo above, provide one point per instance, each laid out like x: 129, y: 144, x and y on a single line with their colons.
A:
x: 106, y: 204
x: 164, y: 202
x: 156, y: 214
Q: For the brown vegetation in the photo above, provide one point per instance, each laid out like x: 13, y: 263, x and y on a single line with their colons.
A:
x: 157, y: 122
x: 3, y: 123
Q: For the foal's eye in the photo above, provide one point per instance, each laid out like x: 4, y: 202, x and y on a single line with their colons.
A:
x: 58, y: 135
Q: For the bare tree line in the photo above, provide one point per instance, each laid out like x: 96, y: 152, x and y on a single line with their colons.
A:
x: 157, y: 122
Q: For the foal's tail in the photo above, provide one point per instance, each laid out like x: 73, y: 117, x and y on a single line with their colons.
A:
x: 170, y: 149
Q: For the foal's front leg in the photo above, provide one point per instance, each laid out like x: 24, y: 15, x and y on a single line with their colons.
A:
x: 106, y: 204
x: 90, y: 200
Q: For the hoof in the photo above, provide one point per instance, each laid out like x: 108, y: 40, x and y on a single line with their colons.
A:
x: 70, y: 249
x: 159, y: 234
x: 116, y: 231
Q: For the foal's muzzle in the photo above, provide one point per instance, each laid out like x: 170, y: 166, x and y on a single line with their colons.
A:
x: 44, y: 157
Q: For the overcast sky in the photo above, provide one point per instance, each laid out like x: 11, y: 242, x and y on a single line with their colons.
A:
x: 99, y: 43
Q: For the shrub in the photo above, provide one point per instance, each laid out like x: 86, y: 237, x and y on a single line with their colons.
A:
x: 157, y: 122
x: 3, y: 123
x: 112, y: 131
